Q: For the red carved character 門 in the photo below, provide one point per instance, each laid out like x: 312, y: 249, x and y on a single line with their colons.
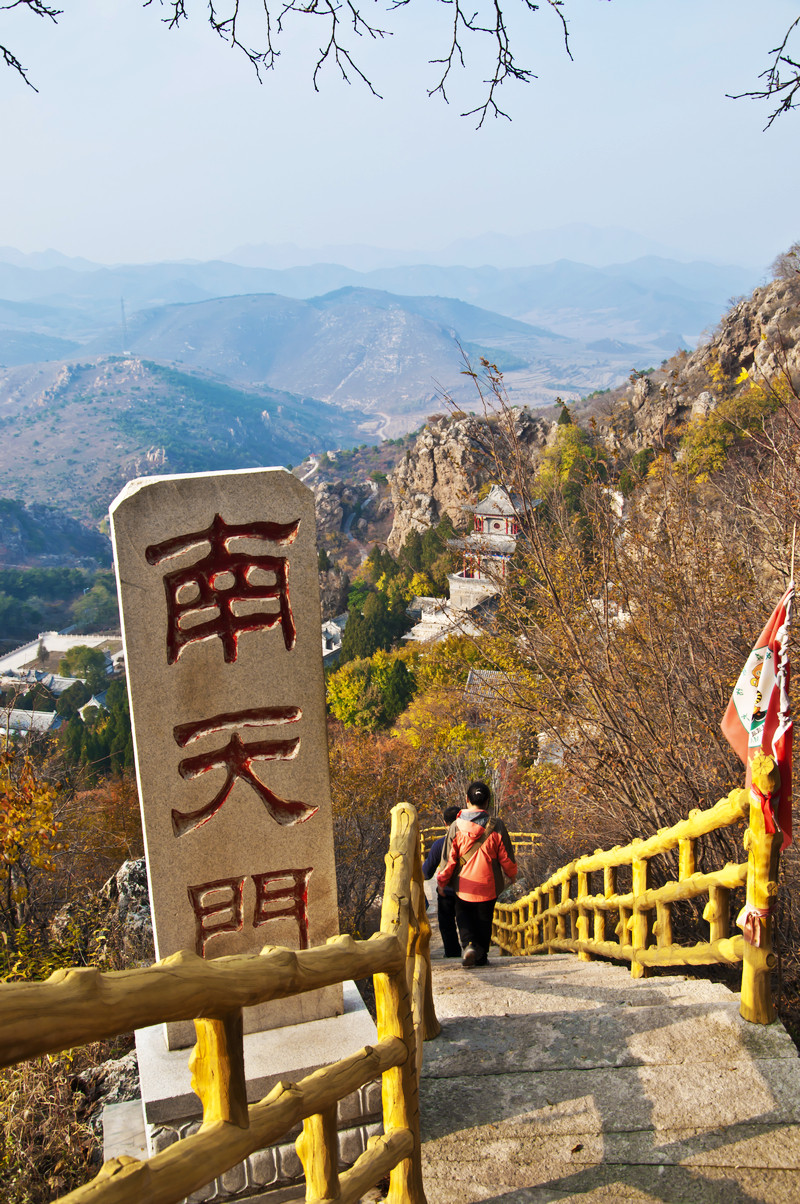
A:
x: 224, y: 898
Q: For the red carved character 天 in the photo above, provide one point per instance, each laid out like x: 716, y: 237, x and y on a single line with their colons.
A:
x: 222, y: 594
x: 237, y: 758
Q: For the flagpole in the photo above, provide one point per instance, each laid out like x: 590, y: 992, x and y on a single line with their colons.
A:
x: 794, y: 541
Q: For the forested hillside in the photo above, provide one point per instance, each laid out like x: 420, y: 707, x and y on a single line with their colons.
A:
x: 656, y: 538
x: 74, y: 433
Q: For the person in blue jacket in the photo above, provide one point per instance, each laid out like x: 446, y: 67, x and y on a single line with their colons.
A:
x: 445, y: 896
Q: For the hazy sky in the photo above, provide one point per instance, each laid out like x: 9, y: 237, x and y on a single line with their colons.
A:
x: 144, y: 143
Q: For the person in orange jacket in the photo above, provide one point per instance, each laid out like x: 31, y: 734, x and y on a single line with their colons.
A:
x: 478, y: 850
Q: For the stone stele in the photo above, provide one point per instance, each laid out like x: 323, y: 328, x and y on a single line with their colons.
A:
x: 219, y: 596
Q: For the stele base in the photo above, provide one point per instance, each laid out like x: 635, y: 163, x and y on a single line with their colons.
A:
x: 169, y: 1109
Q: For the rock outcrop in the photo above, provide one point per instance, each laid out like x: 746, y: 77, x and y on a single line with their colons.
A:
x: 129, y: 891
x: 334, y: 586
x: 439, y: 475
x: 445, y: 468
x: 111, y: 1082
x: 340, y: 504
x: 760, y: 334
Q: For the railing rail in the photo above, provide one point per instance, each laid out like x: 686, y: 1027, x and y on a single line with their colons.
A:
x: 523, y: 842
x: 80, y: 1005
x: 643, y: 933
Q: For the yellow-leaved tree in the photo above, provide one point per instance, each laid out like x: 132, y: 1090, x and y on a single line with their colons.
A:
x: 28, y: 838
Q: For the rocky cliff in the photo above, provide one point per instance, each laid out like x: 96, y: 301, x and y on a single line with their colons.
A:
x: 760, y: 334
x: 446, y: 466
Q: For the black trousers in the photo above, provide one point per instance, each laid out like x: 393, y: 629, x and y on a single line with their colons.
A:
x: 474, y: 921
x: 446, y: 914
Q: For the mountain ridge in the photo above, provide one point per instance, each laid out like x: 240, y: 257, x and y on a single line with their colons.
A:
x: 679, y: 297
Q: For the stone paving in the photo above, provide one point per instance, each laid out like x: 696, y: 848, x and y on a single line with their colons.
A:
x: 560, y: 1080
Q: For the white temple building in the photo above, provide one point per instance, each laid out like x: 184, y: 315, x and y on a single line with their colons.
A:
x: 486, y: 550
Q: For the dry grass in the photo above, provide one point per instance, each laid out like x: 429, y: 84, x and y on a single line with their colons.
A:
x: 49, y: 1146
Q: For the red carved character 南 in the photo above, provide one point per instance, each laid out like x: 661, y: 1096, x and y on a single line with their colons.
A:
x: 222, y: 594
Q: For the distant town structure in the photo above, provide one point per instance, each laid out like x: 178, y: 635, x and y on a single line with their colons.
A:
x: 20, y: 723
x: 486, y: 551
x: 21, y: 670
x: 332, y: 631
x: 56, y: 643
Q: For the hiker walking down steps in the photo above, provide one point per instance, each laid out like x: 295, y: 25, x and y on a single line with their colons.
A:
x: 477, y: 851
x: 445, y: 895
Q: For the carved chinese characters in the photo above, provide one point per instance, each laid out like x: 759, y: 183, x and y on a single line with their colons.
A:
x: 219, y: 588
x: 237, y: 758
x: 220, y: 608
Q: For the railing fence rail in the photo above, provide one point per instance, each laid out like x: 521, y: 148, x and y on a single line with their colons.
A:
x: 82, y: 1005
x: 643, y: 932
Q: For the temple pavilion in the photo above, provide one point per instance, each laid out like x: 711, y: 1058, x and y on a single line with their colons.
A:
x: 486, y: 551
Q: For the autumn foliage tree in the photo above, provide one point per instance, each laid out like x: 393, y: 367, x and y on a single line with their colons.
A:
x: 620, y: 638
x: 369, y: 775
x: 28, y: 838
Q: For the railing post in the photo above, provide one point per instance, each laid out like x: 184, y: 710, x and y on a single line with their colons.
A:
x: 640, y: 926
x: 561, y: 920
x: 318, y: 1150
x: 663, y: 925
x: 609, y: 890
x: 537, y: 924
x: 583, y: 916
x: 420, y: 945
x: 400, y: 1085
x: 763, y: 852
x: 718, y: 913
x: 686, y: 854
x: 516, y: 937
x: 552, y: 920
x: 217, y: 1067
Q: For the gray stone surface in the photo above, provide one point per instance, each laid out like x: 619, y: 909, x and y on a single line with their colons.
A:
x: 561, y: 1080
x: 271, y: 1055
x: 123, y: 1130
x: 219, y: 594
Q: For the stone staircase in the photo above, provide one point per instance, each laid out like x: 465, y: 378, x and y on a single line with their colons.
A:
x: 561, y: 1080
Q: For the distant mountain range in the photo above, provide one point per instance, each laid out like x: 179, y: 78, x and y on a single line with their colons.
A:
x: 579, y: 241
x: 651, y: 302
x: 387, y: 354
x: 106, y: 372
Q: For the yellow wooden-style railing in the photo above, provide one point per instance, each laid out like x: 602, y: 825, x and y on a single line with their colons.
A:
x: 523, y: 842
x: 81, y: 1005
x: 637, y: 926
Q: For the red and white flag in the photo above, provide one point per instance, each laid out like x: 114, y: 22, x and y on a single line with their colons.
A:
x: 758, y: 717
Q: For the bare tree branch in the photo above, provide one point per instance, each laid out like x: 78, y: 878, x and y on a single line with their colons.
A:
x: 39, y: 9
x: 777, y: 82
x: 506, y: 66
x: 347, y: 20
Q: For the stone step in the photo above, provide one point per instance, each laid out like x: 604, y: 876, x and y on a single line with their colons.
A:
x: 555, y: 1079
